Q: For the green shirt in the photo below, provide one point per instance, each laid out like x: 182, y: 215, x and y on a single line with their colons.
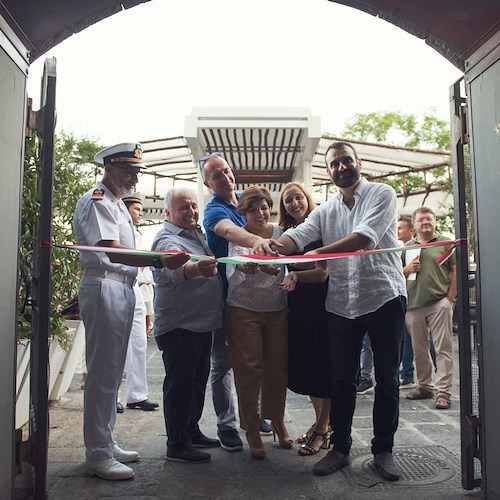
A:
x: 433, y: 280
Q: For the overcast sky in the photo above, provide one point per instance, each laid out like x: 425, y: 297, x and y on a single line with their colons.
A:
x: 137, y: 74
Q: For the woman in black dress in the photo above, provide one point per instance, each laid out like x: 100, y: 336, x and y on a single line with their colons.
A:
x: 309, y: 362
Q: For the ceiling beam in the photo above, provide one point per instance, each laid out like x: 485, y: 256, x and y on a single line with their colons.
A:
x: 261, y: 176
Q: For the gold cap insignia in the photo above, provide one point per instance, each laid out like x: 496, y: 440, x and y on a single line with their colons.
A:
x: 138, y: 151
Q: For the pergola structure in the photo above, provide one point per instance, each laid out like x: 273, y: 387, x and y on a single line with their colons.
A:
x: 466, y: 32
x: 273, y: 146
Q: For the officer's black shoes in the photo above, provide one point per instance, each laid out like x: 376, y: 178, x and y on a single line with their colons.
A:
x: 145, y: 405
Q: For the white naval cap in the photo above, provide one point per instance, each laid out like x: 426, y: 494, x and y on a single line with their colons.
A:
x: 126, y: 154
x: 134, y: 198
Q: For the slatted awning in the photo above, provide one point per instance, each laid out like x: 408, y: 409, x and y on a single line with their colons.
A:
x: 385, y: 162
x: 273, y: 146
x: 172, y: 158
x: 169, y: 158
x: 380, y: 161
x: 271, y: 155
x: 268, y: 146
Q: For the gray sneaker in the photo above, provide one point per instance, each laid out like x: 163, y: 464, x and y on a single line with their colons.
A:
x: 265, y: 428
x: 365, y: 386
x: 230, y: 440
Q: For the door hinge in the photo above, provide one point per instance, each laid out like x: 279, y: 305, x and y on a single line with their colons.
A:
x: 30, y: 119
x: 464, y: 129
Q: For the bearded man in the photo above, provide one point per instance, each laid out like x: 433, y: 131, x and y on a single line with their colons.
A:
x: 366, y: 294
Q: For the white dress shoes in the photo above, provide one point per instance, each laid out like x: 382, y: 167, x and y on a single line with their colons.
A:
x: 124, y: 456
x: 108, y: 468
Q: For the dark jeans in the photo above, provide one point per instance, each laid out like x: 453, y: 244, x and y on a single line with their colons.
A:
x: 407, y: 367
x: 186, y: 357
x: 385, y: 327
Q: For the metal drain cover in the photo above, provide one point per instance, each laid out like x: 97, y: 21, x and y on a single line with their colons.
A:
x: 419, y: 467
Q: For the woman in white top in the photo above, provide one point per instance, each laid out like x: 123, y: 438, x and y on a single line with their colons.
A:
x: 258, y: 329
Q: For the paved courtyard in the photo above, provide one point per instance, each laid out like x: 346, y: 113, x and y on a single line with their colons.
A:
x: 427, y: 449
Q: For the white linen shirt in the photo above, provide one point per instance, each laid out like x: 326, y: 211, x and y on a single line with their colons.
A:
x: 362, y: 284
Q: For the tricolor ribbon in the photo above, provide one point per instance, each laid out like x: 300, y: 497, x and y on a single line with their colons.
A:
x: 272, y: 260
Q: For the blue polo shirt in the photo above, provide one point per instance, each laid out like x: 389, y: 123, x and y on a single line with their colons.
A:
x: 218, y: 209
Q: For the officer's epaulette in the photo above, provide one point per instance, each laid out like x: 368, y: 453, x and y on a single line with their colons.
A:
x: 98, y: 194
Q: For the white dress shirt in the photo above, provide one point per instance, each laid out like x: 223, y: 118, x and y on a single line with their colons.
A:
x: 100, y: 218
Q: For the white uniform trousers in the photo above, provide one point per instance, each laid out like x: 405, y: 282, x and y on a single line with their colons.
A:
x: 107, y: 309
x: 136, y: 384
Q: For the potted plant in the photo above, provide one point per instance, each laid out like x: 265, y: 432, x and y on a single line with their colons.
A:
x: 74, y: 174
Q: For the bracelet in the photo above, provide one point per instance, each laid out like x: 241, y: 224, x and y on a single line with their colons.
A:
x: 157, y: 262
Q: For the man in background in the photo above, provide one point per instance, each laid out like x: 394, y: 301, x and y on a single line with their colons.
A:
x: 432, y: 289
x: 405, y: 234
x: 136, y: 383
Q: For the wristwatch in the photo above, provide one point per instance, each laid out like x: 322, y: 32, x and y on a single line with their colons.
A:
x: 157, y: 262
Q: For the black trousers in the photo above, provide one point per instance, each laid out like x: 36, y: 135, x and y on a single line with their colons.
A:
x: 385, y: 328
x: 186, y: 358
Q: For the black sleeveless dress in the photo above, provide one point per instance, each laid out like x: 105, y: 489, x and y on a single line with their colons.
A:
x: 309, y: 354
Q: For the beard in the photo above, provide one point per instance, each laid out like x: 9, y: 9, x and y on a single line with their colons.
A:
x: 347, y: 178
x: 125, y: 191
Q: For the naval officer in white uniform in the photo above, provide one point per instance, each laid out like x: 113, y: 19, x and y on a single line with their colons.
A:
x: 107, y: 300
x: 136, y: 383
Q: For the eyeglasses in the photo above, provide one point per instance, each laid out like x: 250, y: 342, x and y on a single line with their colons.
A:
x: 132, y: 171
x: 128, y: 171
x: 204, y: 159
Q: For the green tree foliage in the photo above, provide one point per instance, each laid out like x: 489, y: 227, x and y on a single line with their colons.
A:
x: 426, y: 132
x: 408, y: 130
x: 74, y: 174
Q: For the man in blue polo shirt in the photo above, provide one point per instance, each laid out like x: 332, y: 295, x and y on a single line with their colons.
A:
x: 223, y: 223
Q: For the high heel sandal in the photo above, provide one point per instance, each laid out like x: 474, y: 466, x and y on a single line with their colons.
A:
x: 326, y: 444
x: 256, y: 453
x: 305, y: 437
x: 284, y: 441
x: 308, y: 449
